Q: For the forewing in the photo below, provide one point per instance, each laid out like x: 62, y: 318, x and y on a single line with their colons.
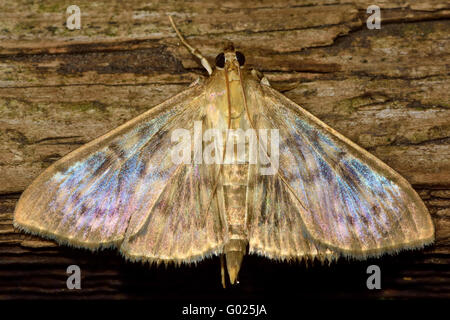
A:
x: 89, y: 197
x: 346, y: 199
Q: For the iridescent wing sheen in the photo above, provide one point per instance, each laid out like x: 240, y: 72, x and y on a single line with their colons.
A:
x: 339, y: 196
x: 183, y: 226
x: 106, y: 190
x: 275, y: 227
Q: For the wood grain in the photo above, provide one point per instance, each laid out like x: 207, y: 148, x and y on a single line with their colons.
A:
x: 388, y: 90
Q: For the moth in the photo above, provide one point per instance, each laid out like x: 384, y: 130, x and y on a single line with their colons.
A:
x: 328, y: 198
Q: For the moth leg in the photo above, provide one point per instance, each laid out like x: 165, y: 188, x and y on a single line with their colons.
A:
x: 261, y: 77
x: 222, y: 270
x: 192, y: 50
x: 196, y: 82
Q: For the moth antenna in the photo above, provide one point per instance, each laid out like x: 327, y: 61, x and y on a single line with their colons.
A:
x: 192, y: 50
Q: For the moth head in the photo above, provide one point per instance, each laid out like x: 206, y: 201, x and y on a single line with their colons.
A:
x: 230, y: 58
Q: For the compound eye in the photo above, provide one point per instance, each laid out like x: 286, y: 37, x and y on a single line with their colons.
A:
x: 220, y: 60
x: 240, y: 58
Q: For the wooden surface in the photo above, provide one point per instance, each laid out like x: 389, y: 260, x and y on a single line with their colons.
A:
x: 388, y: 90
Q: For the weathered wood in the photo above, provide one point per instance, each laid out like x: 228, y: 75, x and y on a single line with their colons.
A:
x: 388, y: 90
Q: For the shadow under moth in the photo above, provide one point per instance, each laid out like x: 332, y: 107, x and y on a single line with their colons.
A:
x: 327, y: 198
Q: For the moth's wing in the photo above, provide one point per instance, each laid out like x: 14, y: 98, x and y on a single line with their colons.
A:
x: 275, y: 228
x: 346, y: 199
x: 94, y: 195
x: 183, y: 226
